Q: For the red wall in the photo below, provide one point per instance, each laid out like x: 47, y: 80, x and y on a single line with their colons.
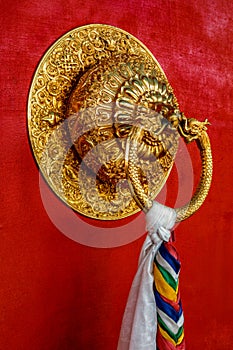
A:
x: 56, y: 293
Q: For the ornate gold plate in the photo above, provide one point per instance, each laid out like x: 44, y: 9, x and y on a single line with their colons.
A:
x: 92, y: 88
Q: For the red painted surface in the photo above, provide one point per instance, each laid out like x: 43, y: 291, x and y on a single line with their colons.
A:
x: 58, y: 294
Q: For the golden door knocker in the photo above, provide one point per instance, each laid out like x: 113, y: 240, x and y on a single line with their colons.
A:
x: 104, y: 124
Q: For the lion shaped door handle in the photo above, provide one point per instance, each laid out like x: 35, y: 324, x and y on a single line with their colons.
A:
x: 101, y: 106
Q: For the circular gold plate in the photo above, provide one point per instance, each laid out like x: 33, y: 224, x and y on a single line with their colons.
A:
x: 56, y: 76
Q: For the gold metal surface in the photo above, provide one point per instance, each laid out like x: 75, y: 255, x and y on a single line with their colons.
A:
x: 78, y: 81
x: 104, y: 124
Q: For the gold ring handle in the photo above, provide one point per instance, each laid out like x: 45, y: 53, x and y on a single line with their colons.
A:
x: 190, y: 129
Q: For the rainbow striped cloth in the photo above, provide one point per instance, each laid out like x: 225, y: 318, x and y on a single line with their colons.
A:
x: 170, y: 330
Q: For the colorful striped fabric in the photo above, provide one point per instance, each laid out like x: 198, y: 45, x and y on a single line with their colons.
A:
x: 170, y: 332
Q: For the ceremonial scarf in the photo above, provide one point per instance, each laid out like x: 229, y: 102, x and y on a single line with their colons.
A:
x: 153, y: 317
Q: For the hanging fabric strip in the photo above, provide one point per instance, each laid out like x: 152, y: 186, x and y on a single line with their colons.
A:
x: 170, y: 319
x: 139, y: 325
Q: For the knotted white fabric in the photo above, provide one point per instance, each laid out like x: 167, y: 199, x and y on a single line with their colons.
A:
x: 139, y: 325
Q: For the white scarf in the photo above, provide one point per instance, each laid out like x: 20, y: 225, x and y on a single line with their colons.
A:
x: 139, y: 325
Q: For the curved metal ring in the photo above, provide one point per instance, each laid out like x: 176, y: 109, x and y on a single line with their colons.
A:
x: 132, y: 171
